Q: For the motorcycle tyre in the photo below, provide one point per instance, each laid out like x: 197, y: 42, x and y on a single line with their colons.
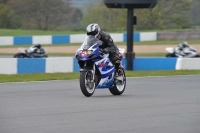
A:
x: 82, y: 84
x: 19, y: 55
x: 115, y: 90
x: 169, y: 55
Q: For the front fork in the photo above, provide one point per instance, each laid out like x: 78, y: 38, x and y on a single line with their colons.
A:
x: 91, y: 74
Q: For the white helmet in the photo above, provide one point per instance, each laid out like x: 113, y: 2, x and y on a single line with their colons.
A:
x: 183, y: 44
x: 93, y: 29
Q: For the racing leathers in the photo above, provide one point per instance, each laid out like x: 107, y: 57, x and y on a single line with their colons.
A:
x: 186, y: 52
x: 108, y: 46
x: 36, y: 52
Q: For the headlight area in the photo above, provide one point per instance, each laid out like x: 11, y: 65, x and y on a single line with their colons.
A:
x: 84, y: 53
x: 90, y: 51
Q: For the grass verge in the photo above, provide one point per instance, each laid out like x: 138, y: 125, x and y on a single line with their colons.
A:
x: 22, y: 32
x: 69, y: 76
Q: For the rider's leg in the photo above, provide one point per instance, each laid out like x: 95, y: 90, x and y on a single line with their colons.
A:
x: 117, y: 64
x: 114, y: 58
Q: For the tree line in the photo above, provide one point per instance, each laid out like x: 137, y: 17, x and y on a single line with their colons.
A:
x: 38, y: 14
x: 62, y: 15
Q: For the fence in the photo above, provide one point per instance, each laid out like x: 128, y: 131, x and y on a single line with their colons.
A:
x: 69, y: 64
x: 66, y: 39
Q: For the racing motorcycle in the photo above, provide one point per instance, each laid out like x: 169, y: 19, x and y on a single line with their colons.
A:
x: 186, y: 53
x: 96, y: 69
x: 28, y: 53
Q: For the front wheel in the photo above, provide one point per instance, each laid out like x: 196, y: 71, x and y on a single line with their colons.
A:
x: 119, y: 84
x: 45, y: 55
x: 87, y: 84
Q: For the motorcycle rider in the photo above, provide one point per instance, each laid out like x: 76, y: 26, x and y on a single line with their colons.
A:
x: 36, y: 50
x: 108, y: 45
x: 186, y: 51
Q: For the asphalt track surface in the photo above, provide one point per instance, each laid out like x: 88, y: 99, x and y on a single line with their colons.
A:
x: 148, y: 105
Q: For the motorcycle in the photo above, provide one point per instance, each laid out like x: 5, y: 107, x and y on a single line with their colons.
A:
x: 28, y: 53
x: 186, y: 53
x: 96, y: 69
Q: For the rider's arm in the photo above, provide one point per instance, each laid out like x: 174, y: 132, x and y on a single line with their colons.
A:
x: 107, y: 38
x: 42, y: 50
x: 179, y: 51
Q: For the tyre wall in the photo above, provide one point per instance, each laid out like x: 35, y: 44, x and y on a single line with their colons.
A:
x: 179, y: 35
x: 117, y: 37
x: 36, y: 65
x: 75, y: 38
x: 69, y: 64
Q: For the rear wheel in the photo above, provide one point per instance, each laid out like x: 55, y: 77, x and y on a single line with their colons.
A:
x: 170, y: 55
x: 119, y: 84
x: 20, y: 55
x: 87, y: 85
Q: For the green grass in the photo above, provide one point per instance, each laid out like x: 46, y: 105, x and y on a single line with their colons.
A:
x: 161, y: 73
x: 37, y: 77
x: 70, y: 76
x: 150, y: 54
x: 170, y: 30
x: 163, y: 42
x: 20, y: 32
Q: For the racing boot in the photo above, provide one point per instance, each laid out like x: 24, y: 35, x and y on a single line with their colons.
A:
x: 118, y: 67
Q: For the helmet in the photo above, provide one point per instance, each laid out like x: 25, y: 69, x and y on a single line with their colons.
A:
x: 38, y: 45
x: 183, y: 44
x: 93, y: 29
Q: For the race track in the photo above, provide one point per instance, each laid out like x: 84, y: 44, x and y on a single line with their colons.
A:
x: 148, y: 105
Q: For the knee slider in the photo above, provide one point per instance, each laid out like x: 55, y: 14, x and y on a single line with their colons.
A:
x: 117, y: 61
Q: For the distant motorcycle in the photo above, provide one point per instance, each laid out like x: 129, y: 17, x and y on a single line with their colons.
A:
x: 28, y: 53
x: 186, y: 53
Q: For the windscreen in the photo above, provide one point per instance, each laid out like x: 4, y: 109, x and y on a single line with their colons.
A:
x: 90, y: 41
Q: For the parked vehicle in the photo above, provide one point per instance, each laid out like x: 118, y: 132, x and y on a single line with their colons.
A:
x: 96, y: 70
